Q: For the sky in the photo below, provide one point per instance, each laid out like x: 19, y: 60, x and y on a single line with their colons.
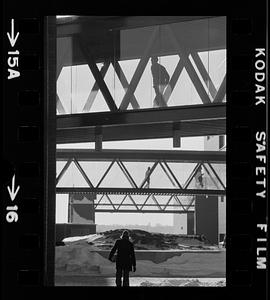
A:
x: 73, y: 87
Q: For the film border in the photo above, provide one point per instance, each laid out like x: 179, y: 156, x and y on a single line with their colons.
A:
x: 28, y: 261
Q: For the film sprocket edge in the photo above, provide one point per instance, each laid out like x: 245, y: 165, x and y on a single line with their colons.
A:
x: 36, y: 120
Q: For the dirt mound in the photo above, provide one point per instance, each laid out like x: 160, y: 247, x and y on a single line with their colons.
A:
x: 144, y: 240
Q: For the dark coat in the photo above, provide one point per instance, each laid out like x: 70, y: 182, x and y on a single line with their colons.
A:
x: 160, y: 74
x: 125, y: 257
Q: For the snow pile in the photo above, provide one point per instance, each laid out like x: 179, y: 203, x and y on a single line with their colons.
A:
x: 82, y: 239
x: 143, y: 240
x: 78, y: 259
x: 184, y: 282
x: 160, y: 255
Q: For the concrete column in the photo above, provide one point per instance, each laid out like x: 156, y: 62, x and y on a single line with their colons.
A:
x: 206, y: 214
x: 190, y: 224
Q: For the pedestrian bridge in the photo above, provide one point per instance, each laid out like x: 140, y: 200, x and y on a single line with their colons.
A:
x: 118, y: 180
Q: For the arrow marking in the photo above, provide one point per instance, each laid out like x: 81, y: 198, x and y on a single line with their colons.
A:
x: 12, y: 192
x: 11, y: 37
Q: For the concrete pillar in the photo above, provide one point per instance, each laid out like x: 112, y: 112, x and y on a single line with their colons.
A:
x: 190, y: 224
x: 206, y: 214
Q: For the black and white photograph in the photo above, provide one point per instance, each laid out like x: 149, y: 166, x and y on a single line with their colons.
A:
x: 134, y: 155
x: 140, y: 151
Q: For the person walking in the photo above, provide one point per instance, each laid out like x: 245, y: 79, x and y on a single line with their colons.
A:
x: 125, y: 259
x: 160, y: 81
x: 147, y: 177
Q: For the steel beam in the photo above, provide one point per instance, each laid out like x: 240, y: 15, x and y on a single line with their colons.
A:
x: 94, y: 91
x: 139, y: 191
x: 96, y: 73
x: 139, y: 71
x: 126, y: 173
x: 149, y: 211
x: 106, y: 172
x: 189, y: 67
x: 143, y: 131
x: 172, y: 174
x: 221, y: 92
x: 196, y: 120
x: 217, y: 176
x: 170, y: 87
x: 125, y: 84
x: 83, y: 173
x: 210, y: 176
x: 191, y: 34
x: 192, y: 175
x: 62, y: 172
x: 138, y: 205
x: 142, y: 155
x: 204, y: 73
x: 184, y: 113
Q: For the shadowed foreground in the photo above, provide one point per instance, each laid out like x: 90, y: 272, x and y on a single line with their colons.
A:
x: 137, y: 281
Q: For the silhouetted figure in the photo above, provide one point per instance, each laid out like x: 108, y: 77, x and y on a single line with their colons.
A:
x: 199, y: 176
x: 147, y: 176
x: 125, y: 259
x: 160, y: 81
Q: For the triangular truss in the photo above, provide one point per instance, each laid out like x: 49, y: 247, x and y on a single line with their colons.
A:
x: 203, y: 179
x: 189, y: 61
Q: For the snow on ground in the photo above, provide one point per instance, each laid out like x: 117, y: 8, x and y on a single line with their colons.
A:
x: 139, y: 281
x: 184, y: 282
x: 162, y: 260
x: 79, y: 259
x: 81, y: 239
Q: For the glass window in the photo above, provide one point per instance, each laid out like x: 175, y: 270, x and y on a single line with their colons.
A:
x: 105, y: 66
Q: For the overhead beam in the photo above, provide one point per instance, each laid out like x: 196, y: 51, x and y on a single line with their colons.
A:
x: 197, y: 112
x: 120, y: 22
x: 147, y: 211
x: 142, y: 131
x: 194, y: 34
x: 142, y: 155
x: 139, y: 191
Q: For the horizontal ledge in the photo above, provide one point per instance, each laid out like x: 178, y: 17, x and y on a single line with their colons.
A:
x: 142, y: 155
x: 140, y: 206
x: 144, y: 211
x: 139, y: 191
x: 144, y: 116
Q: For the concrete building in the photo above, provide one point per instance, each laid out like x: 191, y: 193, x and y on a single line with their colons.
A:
x: 210, y: 219
x: 218, y: 143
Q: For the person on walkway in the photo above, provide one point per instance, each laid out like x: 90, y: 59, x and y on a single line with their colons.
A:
x: 125, y: 259
x: 147, y: 176
x: 160, y: 81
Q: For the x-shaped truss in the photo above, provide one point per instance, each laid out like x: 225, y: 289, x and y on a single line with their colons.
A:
x: 174, y: 202
x: 210, y: 96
